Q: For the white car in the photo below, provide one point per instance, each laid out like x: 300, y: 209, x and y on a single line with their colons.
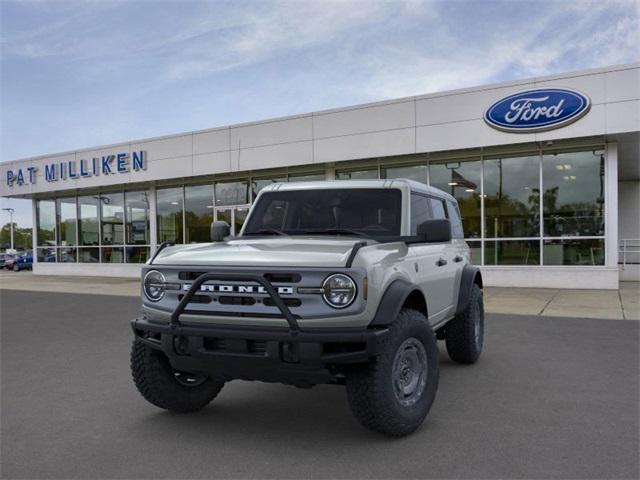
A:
x: 345, y: 282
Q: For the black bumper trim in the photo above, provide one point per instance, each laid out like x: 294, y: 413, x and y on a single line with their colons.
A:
x: 304, y: 357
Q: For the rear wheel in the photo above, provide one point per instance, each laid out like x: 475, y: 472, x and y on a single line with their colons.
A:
x: 464, y: 335
x: 393, y: 393
x: 166, y: 387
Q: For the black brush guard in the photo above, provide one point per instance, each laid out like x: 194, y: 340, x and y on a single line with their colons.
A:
x: 289, y: 355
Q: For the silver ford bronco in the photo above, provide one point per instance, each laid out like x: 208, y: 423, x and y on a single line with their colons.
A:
x: 346, y: 282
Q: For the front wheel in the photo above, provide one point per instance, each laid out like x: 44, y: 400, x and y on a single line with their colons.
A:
x: 394, y: 393
x: 167, y: 388
x: 16, y: 268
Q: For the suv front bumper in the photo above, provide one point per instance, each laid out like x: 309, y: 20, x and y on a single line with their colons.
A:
x: 302, y: 358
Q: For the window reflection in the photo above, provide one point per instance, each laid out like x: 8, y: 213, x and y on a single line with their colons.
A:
x: 169, y: 209
x: 367, y: 174
x: 307, y: 177
x: 231, y: 193
x: 46, y: 219
x: 137, y: 218
x: 412, y: 172
x: 198, y: 212
x: 112, y: 218
x: 574, y: 252
x: 462, y: 181
x: 573, y: 198
x: 67, y: 212
x: 512, y: 252
x: 512, y: 197
x: 88, y: 220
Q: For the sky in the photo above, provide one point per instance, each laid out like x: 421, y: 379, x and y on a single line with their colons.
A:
x: 87, y: 73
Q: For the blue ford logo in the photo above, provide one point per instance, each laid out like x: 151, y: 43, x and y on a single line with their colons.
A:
x: 537, y: 110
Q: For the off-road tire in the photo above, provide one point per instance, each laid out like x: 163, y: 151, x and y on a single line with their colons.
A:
x: 156, y: 381
x: 370, y: 387
x: 464, y: 335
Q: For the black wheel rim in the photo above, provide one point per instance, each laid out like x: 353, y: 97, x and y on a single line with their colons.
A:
x: 189, y: 379
x: 409, y: 372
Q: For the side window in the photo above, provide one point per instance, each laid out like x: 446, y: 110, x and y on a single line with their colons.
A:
x: 456, y: 221
x: 420, y: 211
x: 437, y: 206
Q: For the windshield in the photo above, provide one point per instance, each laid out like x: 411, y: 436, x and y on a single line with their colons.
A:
x: 366, y: 212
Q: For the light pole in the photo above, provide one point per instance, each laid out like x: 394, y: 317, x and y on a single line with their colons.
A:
x: 11, y: 212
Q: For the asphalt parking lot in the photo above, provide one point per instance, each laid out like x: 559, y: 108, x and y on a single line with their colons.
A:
x: 550, y: 398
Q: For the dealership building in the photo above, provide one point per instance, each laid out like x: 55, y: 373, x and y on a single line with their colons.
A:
x: 546, y: 172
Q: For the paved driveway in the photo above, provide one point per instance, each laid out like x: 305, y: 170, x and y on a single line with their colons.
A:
x: 550, y: 398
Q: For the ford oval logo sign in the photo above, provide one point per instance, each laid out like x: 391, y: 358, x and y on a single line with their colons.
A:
x: 537, y: 110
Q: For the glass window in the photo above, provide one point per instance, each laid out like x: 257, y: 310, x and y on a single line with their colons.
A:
x: 88, y: 220
x: 438, y: 209
x: 47, y: 254
x: 112, y: 255
x: 368, y: 174
x: 232, y: 193
x: 454, y: 217
x: 370, y: 212
x: 137, y: 254
x: 46, y: 217
x: 239, y: 217
x: 512, y: 197
x: 112, y: 217
x: 512, y: 252
x: 137, y: 218
x: 67, y: 254
x: 462, y: 181
x: 307, y: 177
x: 198, y: 212
x: 89, y: 255
x: 574, y: 252
x: 169, y: 207
x: 420, y: 211
x: 67, y: 213
x: 258, y: 184
x: 412, y: 172
x: 573, y: 198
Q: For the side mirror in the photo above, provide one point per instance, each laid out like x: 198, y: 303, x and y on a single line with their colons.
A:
x: 219, y: 230
x: 433, y: 231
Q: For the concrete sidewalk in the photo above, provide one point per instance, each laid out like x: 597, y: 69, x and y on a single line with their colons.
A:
x: 623, y: 304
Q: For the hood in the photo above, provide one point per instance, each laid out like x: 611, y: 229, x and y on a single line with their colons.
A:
x: 270, y: 251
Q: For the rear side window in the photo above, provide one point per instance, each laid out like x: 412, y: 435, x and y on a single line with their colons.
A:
x: 438, y: 209
x: 420, y: 211
x: 456, y: 221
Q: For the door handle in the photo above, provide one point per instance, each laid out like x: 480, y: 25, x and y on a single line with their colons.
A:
x: 457, y: 259
x: 441, y: 262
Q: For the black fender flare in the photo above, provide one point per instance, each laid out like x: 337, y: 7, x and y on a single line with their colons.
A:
x: 392, y: 301
x: 470, y: 275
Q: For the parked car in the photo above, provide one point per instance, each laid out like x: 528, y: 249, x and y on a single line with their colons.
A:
x: 23, y: 262
x: 347, y: 282
x: 7, y: 260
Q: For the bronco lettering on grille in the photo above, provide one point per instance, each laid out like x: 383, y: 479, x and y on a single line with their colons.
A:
x: 239, y: 289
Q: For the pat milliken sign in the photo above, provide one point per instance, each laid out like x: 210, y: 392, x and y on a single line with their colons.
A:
x: 537, y: 110
x: 105, y: 165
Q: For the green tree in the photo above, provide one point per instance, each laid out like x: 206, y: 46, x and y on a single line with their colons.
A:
x: 21, y: 237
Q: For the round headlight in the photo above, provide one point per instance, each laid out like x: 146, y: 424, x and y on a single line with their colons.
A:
x: 339, y: 290
x: 153, y: 285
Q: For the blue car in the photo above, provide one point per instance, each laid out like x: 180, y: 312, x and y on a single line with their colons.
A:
x: 23, y: 262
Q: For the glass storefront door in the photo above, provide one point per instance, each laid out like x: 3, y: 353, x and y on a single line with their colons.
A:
x: 234, y: 216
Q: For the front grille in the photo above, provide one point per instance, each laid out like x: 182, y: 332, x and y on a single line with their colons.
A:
x: 274, y: 277
x: 289, y: 302
x: 229, y: 300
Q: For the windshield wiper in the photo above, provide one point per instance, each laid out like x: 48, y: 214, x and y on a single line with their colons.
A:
x: 266, y: 231
x: 336, y: 231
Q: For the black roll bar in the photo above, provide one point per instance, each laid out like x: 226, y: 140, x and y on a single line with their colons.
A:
x: 239, y: 277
